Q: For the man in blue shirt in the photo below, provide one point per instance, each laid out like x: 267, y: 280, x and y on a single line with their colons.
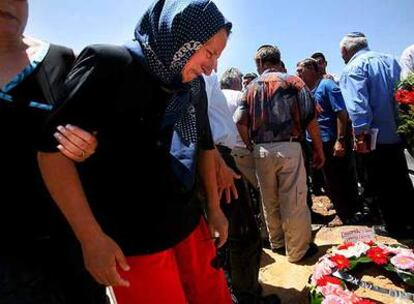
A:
x: 367, y: 83
x: 339, y: 168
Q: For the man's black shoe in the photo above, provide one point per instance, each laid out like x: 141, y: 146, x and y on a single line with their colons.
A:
x: 280, y: 250
x: 357, y: 219
x: 381, y: 230
x: 270, y: 299
x: 312, y: 250
x: 318, y: 218
x: 266, y: 243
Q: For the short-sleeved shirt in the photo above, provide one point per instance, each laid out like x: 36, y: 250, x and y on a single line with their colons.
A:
x: 276, y: 107
x: 27, y: 212
x: 329, y: 97
x: 131, y: 188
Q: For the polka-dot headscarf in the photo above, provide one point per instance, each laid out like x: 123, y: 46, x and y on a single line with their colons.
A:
x: 168, y: 34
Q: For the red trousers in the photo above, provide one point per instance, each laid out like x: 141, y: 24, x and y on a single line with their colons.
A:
x: 180, y: 275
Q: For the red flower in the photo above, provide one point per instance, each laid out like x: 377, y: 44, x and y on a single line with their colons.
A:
x: 364, y: 301
x: 370, y: 243
x: 328, y: 279
x: 404, y: 96
x: 346, y: 245
x: 378, y: 255
x: 340, y: 261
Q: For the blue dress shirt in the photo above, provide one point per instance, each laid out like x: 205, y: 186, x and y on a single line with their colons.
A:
x: 367, y: 84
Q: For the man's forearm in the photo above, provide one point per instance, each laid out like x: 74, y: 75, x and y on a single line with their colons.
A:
x: 244, y: 134
x: 342, y: 121
x: 314, y: 133
x: 62, y: 180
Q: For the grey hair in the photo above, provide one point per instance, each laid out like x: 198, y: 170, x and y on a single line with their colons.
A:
x: 353, y: 44
x: 231, y: 79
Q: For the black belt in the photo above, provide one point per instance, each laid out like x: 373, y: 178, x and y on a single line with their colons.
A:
x: 223, y: 149
x: 292, y: 139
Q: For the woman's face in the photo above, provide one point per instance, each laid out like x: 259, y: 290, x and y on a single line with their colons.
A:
x: 13, y: 17
x: 204, y: 61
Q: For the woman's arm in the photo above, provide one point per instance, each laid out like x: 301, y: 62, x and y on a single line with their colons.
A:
x: 217, y: 221
x: 101, y: 254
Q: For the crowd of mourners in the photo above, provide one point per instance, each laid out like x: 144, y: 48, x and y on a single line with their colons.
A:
x: 133, y: 174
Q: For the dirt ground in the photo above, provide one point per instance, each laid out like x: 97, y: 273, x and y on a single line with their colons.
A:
x: 289, y: 281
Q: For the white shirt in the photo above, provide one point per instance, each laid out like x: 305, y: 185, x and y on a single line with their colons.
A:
x: 223, y: 128
x: 407, y: 61
x: 233, y: 101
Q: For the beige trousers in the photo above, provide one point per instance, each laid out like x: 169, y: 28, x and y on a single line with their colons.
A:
x: 282, y: 179
x: 245, y: 163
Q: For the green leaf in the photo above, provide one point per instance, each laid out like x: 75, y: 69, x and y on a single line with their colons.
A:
x: 364, y: 259
x: 389, y: 267
x: 316, y: 297
x: 353, y: 263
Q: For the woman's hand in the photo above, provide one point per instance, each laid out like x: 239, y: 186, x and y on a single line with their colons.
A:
x: 218, y: 226
x: 75, y: 143
x: 101, y: 257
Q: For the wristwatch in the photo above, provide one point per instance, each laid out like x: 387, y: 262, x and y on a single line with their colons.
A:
x: 341, y: 138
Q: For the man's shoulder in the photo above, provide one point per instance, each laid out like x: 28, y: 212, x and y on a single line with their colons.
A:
x: 372, y: 57
x: 294, y: 81
x: 327, y: 84
x: 408, y: 52
x: 232, y: 94
x: 62, y: 50
x: 357, y: 65
x: 105, y: 61
x: 287, y: 80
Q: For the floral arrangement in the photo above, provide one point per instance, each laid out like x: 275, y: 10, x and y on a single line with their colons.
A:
x: 326, y: 288
x: 404, y: 95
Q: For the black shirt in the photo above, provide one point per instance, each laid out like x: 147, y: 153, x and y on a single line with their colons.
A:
x: 130, y: 187
x: 27, y: 212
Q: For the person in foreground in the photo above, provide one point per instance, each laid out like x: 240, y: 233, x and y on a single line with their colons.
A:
x: 134, y: 205
x: 40, y: 260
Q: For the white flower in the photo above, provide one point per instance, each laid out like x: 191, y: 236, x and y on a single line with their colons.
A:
x: 357, y: 250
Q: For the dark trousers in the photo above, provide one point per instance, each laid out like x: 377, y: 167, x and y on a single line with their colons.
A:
x: 244, y: 246
x: 391, y: 186
x: 307, y: 156
x: 341, y: 180
x: 47, y: 272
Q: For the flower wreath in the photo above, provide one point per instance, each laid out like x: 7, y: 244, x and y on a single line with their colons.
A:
x: 329, y: 278
x: 404, y: 95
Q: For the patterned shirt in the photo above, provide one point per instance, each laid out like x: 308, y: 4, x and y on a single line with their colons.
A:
x: 276, y: 107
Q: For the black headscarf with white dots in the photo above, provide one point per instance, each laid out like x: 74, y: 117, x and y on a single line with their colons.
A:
x: 166, y: 37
